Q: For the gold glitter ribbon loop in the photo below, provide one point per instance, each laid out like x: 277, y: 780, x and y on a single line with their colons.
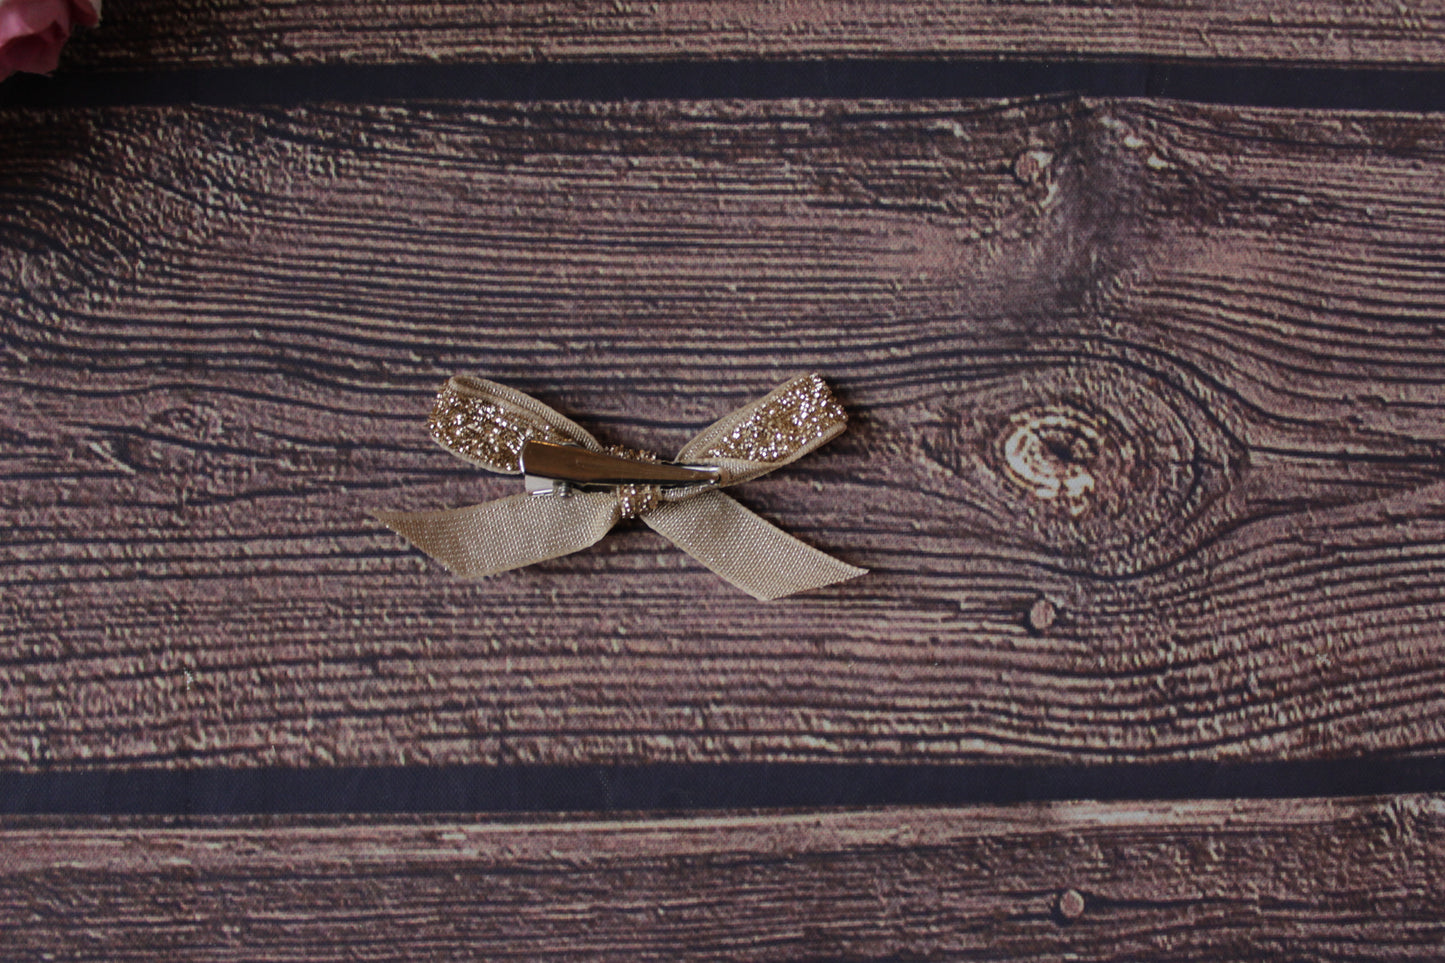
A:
x: 487, y: 423
x: 791, y: 421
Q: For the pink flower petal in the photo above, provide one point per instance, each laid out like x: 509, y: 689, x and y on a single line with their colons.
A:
x: 33, y: 31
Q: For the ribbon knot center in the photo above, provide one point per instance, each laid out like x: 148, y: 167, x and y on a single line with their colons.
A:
x: 635, y: 500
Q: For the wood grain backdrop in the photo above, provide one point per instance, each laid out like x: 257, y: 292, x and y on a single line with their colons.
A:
x: 1295, y: 880
x: 1146, y: 461
x: 145, y: 34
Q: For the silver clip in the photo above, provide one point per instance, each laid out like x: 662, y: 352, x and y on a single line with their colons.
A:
x: 550, y: 469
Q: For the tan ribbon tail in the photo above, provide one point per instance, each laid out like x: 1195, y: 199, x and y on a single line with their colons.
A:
x: 508, y: 533
x: 751, y: 553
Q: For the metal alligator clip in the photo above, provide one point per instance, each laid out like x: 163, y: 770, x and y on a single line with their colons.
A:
x: 557, y: 469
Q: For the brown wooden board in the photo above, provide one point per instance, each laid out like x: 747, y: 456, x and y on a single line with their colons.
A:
x: 1146, y: 457
x: 1289, y: 880
x: 190, y: 33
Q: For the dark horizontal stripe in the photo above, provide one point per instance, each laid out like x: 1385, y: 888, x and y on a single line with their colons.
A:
x: 662, y: 788
x: 1409, y: 89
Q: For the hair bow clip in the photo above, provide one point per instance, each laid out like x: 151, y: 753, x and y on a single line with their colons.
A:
x: 576, y: 489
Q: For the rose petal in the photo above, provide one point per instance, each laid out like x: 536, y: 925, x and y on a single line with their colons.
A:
x: 32, y: 32
x: 36, y: 53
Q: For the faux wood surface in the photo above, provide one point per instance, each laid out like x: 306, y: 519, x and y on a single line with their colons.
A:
x: 147, y: 33
x: 1304, y: 880
x: 1146, y: 461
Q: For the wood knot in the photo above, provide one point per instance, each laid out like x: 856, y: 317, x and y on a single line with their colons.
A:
x: 1057, y: 453
x: 1032, y: 165
x: 1109, y: 467
x: 1070, y: 904
x: 1042, y: 615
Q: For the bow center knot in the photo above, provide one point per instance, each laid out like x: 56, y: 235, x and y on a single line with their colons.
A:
x: 635, y: 500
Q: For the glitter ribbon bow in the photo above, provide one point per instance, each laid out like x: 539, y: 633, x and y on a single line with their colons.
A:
x: 488, y: 424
